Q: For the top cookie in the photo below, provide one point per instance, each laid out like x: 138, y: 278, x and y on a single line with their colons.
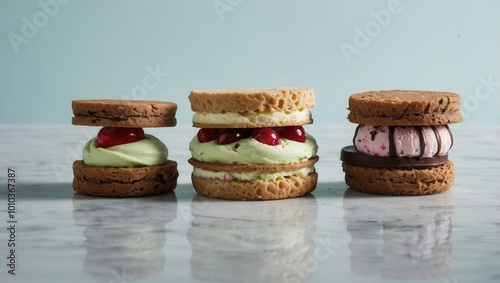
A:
x: 251, y: 100
x: 247, y: 108
x: 404, y: 108
x: 124, y: 113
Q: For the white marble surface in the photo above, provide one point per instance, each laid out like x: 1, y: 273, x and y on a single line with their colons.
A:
x: 335, y: 235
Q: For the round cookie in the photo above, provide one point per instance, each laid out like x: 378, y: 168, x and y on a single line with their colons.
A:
x: 251, y: 100
x: 286, y: 187
x: 252, y: 108
x: 394, y: 157
x: 404, y: 108
x: 216, y: 167
x: 124, y: 113
x: 391, y: 181
x: 124, y: 181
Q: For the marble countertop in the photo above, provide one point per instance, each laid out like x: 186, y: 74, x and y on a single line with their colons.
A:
x: 334, y: 235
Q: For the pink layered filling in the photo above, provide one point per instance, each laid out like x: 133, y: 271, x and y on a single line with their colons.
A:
x: 418, y: 141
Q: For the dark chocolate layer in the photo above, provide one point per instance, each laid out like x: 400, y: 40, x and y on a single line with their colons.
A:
x: 351, y: 155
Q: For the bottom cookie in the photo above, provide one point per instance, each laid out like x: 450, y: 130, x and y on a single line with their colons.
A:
x: 124, y: 181
x: 404, y: 182
x: 288, y: 187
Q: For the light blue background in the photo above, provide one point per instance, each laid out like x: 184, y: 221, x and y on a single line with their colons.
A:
x: 102, y: 49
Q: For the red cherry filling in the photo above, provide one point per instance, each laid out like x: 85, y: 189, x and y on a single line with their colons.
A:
x: 266, y: 136
x: 226, y: 136
x: 295, y: 133
x: 111, y: 136
x: 206, y: 135
x: 269, y: 136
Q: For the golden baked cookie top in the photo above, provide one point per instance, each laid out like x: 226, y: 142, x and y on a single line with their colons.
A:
x: 251, y: 100
x: 124, y: 113
x: 404, y: 108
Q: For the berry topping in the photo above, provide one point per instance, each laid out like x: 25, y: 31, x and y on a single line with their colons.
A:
x: 278, y: 129
x: 231, y: 135
x: 266, y: 136
x: 295, y: 133
x: 206, y: 135
x: 111, y: 136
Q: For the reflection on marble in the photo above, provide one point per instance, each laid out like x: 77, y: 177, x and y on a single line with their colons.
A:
x: 124, y: 237
x: 252, y: 241
x: 404, y: 238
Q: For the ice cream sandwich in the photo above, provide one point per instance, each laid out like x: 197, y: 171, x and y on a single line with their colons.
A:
x: 401, y: 144
x: 252, y: 144
x: 123, y: 161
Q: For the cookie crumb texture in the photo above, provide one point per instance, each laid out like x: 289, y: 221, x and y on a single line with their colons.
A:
x: 401, y: 182
x: 282, y: 188
x: 404, y: 108
x: 124, y: 113
x: 124, y: 181
x: 241, y: 168
x: 251, y: 100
